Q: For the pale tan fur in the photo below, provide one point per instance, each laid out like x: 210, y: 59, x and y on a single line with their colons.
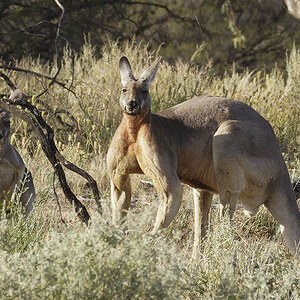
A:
x: 14, y: 177
x: 213, y: 144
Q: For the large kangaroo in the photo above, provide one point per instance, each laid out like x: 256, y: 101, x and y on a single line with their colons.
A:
x: 14, y: 177
x: 213, y: 144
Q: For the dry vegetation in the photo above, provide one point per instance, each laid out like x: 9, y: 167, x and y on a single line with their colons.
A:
x: 42, y: 258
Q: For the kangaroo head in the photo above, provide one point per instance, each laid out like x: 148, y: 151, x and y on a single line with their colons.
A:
x: 135, y: 98
x: 4, y: 126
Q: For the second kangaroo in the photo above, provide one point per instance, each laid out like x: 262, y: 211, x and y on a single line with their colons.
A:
x: 213, y: 144
x: 15, y: 179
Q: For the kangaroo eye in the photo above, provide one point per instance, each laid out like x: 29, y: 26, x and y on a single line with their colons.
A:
x: 124, y: 90
x: 144, y: 92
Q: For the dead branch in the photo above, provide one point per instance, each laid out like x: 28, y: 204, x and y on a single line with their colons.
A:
x: 56, y: 48
x: 47, y: 107
x: 49, y: 150
x: 46, y: 137
x: 13, y: 68
x: 45, y: 132
x: 92, y: 182
x: 8, y: 81
x: 57, y: 201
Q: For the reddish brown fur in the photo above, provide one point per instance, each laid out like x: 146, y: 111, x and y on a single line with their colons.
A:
x: 214, y: 144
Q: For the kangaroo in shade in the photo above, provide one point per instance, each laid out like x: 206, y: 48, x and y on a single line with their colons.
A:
x: 15, y: 179
x: 214, y: 144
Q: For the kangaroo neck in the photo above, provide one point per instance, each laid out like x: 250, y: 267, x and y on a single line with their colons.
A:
x: 134, y: 123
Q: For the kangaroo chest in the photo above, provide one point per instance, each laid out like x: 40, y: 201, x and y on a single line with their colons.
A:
x: 126, y: 161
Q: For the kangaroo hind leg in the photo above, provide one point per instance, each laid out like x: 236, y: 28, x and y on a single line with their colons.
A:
x: 202, y: 204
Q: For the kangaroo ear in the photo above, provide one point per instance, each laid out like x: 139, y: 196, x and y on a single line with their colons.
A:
x: 125, y: 70
x: 148, y: 75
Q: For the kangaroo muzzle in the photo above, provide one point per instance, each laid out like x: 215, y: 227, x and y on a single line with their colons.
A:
x: 132, y: 108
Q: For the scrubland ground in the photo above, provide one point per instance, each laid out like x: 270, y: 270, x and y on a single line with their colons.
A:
x: 44, y: 258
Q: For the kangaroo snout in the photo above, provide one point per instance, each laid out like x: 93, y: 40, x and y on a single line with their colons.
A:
x: 132, y: 108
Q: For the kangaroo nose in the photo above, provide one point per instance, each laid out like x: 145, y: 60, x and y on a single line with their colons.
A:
x: 132, y: 104
x: 1, y: 136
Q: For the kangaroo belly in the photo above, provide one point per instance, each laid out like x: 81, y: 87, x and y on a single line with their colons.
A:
x: 197, y: 184
x: 197, y: 171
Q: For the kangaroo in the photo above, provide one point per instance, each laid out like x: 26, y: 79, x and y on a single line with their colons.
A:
x: 14, y: 177
x: 213, y: 144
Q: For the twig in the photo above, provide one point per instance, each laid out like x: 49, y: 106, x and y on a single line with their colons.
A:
x: 56, y: 49
x: 57, y: 201
x: 92, y: 182
x: 8, y: 81
x: 63, y: 85
x: 12, y: 68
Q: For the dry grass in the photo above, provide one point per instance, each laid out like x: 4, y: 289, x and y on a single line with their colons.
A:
x: 43, y: 258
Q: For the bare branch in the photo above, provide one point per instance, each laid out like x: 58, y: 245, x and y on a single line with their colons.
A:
x: 7, y: 81
x: 92, y: 182
x: 46, y: 137
x: 47, y: 142
x: 56, y: 49
x: 48, y: 108
x: 12, y: 68
x: 57, y: 201
x: 170, y: 13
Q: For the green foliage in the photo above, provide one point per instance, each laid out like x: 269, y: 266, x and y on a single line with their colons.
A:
x: 105, y: 262
x: 18, y: 234
x: 100, y: 262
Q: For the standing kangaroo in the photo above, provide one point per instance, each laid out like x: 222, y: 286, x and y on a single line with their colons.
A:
x: 14, y: 177
x: 213, y: 144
